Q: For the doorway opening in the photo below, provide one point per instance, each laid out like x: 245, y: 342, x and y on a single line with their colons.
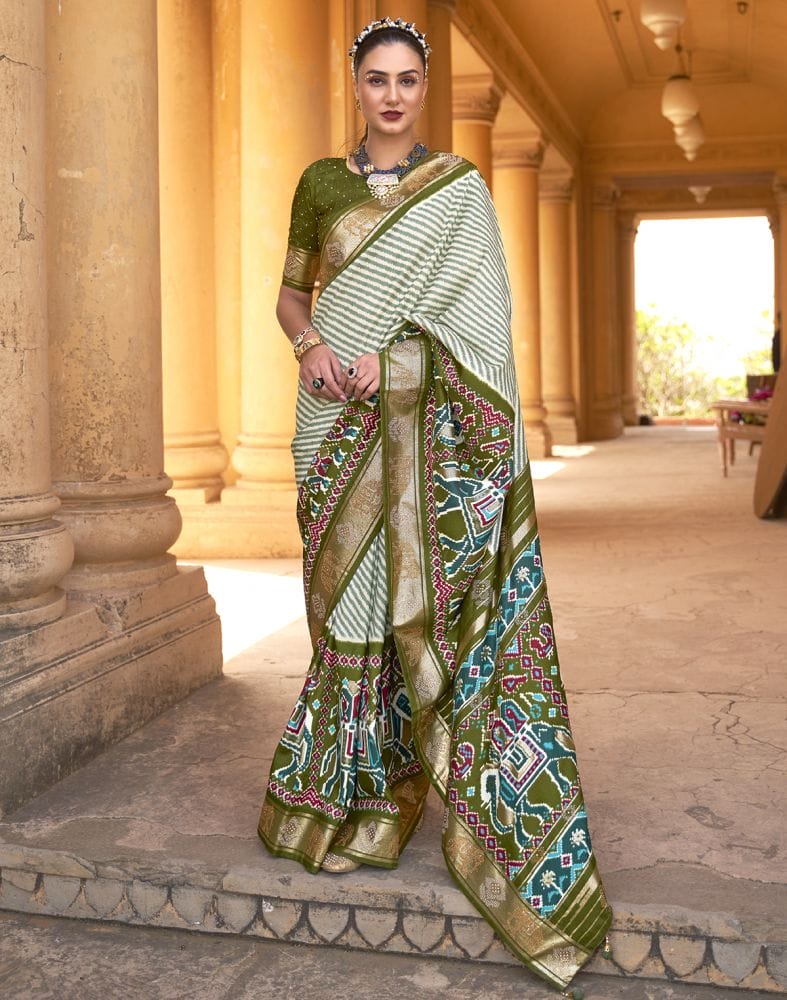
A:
x: 704, y: 293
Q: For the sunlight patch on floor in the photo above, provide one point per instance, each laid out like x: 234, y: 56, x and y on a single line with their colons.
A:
x: 543, y: 468
x: 252, y: 601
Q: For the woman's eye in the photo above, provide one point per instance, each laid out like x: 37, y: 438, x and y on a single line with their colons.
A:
x: 376, y: 79
x: 408, y: 81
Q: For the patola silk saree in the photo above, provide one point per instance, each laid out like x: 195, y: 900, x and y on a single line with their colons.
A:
x: 434, y: 658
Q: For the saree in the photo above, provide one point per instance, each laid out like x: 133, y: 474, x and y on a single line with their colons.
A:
x: 434, y: 655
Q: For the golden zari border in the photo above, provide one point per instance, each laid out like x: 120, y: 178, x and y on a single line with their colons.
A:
x: 372, y: 839
x: 300, y: 268
x: 353, y: 228
x: 345, y: 541
x: 406, y: 367
x: 532, y: 938
x: 379, y: 840
x: 307, y: 838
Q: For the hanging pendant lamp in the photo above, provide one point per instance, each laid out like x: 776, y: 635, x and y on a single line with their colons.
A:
x: 663, y: 18
x: 679, y: 102
x: 690, y: 136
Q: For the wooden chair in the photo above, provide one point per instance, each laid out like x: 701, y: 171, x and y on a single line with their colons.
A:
x: 731, y: 431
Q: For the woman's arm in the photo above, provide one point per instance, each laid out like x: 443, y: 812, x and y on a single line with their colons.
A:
x: 293, y: 311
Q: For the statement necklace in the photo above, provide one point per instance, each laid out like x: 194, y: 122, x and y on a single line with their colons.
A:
x: 383, y: 183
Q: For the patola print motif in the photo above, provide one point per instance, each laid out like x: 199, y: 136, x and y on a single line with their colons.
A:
x: 435, y: 662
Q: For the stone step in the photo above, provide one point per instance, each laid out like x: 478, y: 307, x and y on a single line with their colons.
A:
x: 165, y: 964
x: 161, y: 830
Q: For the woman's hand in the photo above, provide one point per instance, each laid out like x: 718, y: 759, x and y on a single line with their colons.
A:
x: 319, y: 362
x: 362, y: 377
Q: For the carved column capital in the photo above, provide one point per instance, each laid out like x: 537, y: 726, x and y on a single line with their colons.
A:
x: 555, y: 187
x: 476, y: 98
x: 605, y: 194
x: 516, y: 150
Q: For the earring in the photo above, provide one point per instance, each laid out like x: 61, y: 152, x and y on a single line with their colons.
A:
x: 357, y: 104
x: 423, y: 105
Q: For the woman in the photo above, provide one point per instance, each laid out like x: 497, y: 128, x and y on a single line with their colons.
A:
x: 434, y: 658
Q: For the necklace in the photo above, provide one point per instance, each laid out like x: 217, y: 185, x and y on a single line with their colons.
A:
x: 384, y: 182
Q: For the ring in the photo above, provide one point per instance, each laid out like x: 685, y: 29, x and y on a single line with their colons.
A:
x: 352, y: 372
x: 318, y: 383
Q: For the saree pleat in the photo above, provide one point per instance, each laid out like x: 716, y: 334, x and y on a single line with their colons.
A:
x: 435, y: 660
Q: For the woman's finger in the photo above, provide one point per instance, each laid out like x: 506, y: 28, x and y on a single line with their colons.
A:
x: 365, y: 387
x: 332, y: 387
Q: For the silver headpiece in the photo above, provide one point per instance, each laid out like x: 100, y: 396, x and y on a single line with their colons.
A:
x: 390, y: 22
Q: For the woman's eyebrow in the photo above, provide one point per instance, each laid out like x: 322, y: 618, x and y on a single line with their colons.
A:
x: 379, y: 72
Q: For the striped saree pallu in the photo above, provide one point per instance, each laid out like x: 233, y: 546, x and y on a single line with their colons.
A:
x: 434, y: 655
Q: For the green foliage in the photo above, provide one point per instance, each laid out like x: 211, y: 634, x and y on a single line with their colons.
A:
x: 759, y: 361
x: 669, y: 378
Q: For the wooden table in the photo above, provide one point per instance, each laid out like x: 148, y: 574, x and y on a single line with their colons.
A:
x: 731, y: 431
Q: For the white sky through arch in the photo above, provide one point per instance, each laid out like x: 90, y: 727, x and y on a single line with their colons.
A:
x: 716, y: 275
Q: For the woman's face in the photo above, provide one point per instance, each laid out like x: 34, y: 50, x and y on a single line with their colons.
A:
x: 390, y: 86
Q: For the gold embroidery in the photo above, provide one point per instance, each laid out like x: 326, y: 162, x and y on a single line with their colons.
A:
x: 344, y: 539
x: 492, y: 892
x: 267, y: 817
x: 300, y: 266
x: 344, y: 834
x: 437, y: 748
x: 526, y: 928
x: 466, y: 856
x: 316, y: 842
x: 288, y: 832
x: 351, y: 230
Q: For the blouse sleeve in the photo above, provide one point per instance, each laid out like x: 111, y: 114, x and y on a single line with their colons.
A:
x: 303, y: 247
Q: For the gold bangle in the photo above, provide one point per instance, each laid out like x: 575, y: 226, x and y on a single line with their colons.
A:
x: 301, y: 349
x: 302, y: 335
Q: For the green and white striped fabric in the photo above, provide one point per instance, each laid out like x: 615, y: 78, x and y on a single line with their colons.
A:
x: 395, y: 281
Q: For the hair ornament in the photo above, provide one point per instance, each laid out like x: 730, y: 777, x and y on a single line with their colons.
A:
x: 390, y: 22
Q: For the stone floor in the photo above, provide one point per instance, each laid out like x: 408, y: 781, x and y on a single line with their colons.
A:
x: 670, y: 603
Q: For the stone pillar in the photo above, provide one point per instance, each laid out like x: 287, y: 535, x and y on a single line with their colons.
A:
x: 193, y: 454
x: 35, y: 550
x: 137, y: 633
x: 410, y: 10
x: 226, y: 228
x: 555, y: 257
x: 627, y: 234
x: 285, y: 125
x: 516, y: 165
x: 780, y: 244
x: 604, y: 417
x: 439, y: 100
x: 105, y: 299
x: 345, y: 18
x: 476, y: 101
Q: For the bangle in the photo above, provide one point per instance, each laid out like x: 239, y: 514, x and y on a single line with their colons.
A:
x: 304, y: 346
x: 302, y: 335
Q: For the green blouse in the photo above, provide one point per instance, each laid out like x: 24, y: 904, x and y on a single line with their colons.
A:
x: 326, y: 188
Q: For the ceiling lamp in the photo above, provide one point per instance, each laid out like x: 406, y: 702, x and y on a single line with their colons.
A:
x: 690, y: 137
x: 700, y: 192
x: 663, y: 18
x: 679, y: 103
